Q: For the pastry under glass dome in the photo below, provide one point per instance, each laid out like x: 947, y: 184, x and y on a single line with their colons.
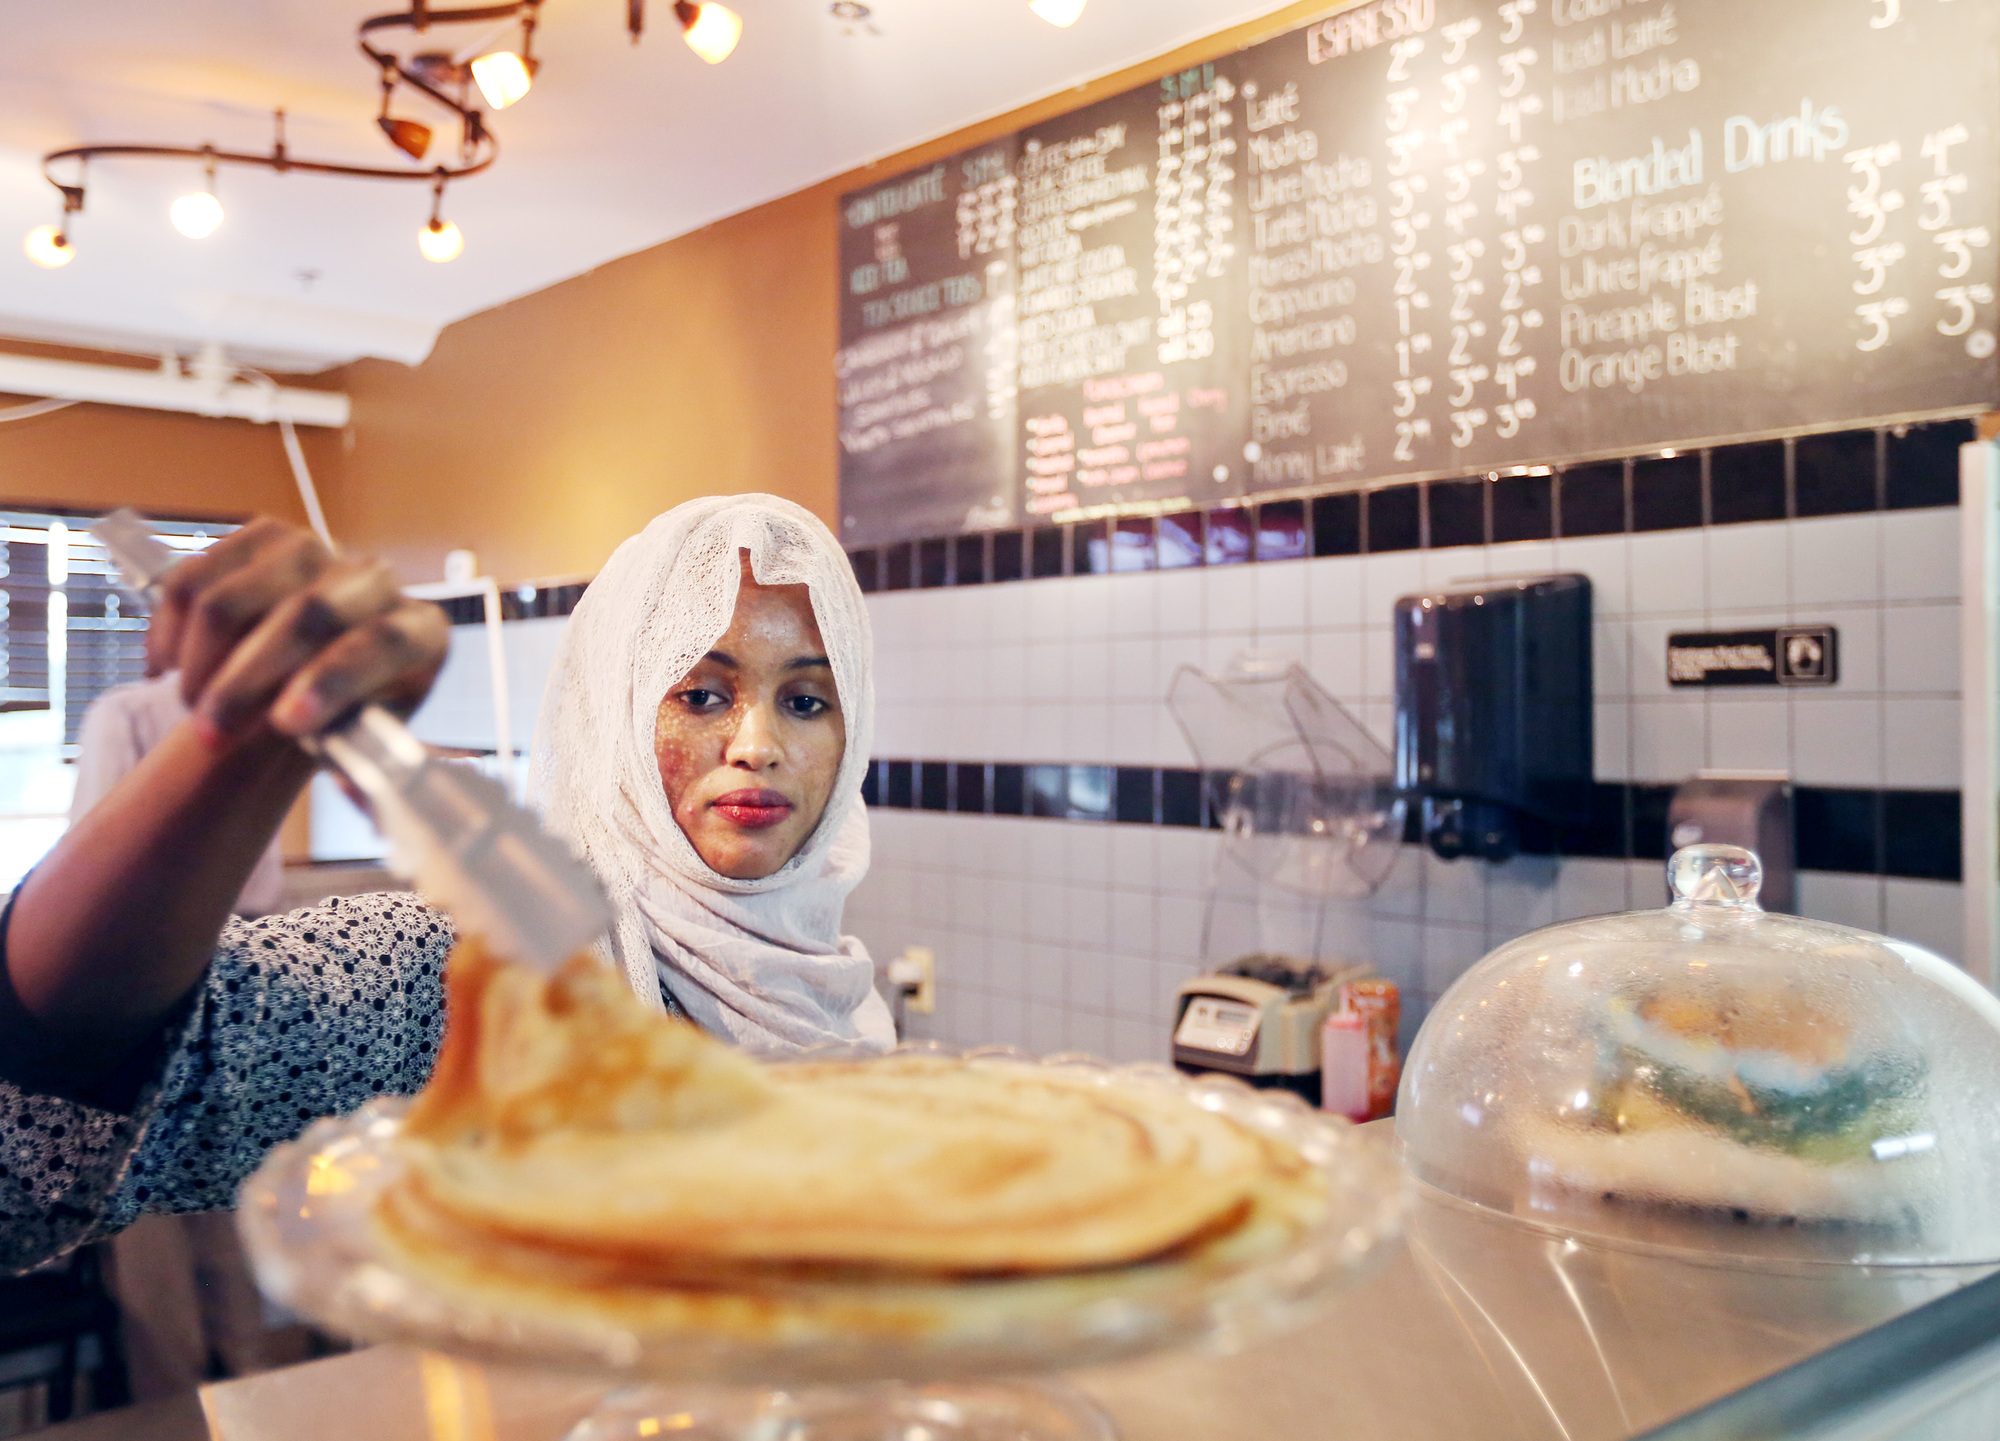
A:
x: 1719, y: 1080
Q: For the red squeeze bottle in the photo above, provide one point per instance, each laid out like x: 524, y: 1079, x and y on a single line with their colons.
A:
x: 1380, y: 1007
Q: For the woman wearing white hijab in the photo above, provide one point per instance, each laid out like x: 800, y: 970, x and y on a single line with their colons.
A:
x: 703, y: 743
x: 755, y: 956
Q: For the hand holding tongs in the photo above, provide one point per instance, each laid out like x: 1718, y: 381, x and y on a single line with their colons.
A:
x: 452, y: 832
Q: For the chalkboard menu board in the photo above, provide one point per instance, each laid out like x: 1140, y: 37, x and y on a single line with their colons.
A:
x: 928, y: 429
x: 1430, y: 237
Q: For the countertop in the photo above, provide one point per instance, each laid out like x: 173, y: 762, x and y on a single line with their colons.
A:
x: 1471, y: 1325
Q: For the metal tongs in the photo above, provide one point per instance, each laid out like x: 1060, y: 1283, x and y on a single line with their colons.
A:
x: 452, y: 832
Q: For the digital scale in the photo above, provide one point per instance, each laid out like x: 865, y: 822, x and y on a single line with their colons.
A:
x: 1259, y: 1019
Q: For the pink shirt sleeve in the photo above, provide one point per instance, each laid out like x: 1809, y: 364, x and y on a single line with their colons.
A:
x: 118, y: 729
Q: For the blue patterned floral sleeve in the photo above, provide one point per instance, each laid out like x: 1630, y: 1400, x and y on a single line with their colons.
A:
x: 301, y: 1015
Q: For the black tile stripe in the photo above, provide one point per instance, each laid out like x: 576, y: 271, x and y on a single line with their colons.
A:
x: 1392, y: 519
x: 1901, y: 468
x: 1922, y: 464
x: 1843, y: 473
x: 1336, y: 524
x: 1010, y: 789
x: 1048, y: 551
x: 526, y: 602
x: 1009, y: 555
x: 1840, y: 473
x: 1590, y: 500
x: 969, y: 787
x: 896, y: 566
x: 933, y: 785
x: 1666, y: 492
x: 1747, y: 482
x: 1523, y: 507
x: 969, y: 560
x: 1835, y: 474
x: 1456, y: 513
x: 1906, y: 833
x: 1920, y: 834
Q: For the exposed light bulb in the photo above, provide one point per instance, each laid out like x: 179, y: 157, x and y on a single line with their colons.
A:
x: 1061, y: 13
x: 48, y: 247
x: 440, y: 241
x: 711, y: 30
x: 196, y: 215
x: 503, y: 77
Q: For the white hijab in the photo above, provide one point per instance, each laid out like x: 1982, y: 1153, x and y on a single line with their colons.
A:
x: 758, y: 962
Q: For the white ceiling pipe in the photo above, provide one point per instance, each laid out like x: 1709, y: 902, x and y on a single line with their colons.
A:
x: 211, y: 393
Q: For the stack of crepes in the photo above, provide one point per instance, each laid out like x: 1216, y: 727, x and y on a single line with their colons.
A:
x: 577, y: 1153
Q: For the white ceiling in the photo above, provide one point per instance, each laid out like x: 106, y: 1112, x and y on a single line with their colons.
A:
x: 617, y: 148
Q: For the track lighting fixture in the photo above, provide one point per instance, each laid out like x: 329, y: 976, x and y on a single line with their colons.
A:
x: 501, y: 77
x: 407, y: 136
x: 439, y: 240
x: 852, y: 15
x: 504, y: 76
x: 198, y: 213
x: 49, y: 247
x: 1060, y: 13
x: 711, y: 30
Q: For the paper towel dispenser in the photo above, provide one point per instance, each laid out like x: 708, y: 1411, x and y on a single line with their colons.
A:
x: 1493, y: 709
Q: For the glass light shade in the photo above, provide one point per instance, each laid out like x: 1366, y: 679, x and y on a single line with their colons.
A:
x: 503, y: 78
x: 197, y: 215
x: 1717, y: 1079
x: 406, y: 135
x: 440, y: 241
x: 48, y: 247
x: 1063, y: 13
x: 713, y: 32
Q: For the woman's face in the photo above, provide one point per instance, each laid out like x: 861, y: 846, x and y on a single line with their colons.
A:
x: 750, y: 739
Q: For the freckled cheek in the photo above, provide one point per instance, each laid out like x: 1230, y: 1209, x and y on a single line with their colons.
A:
x: 830, y: 743
x: 683, y: 745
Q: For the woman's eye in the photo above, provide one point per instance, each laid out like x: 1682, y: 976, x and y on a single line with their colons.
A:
x: 698, y: 698
x: 806, y: 705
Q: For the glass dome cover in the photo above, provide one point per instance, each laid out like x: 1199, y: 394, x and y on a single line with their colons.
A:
x: 1718, y: 1079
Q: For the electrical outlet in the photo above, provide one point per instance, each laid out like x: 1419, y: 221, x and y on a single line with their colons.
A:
x: 915, y: 974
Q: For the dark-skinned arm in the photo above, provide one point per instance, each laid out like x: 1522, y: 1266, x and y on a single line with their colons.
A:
x: 274, y: 638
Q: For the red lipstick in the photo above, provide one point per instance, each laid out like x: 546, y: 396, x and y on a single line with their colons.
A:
x: 754, y: 809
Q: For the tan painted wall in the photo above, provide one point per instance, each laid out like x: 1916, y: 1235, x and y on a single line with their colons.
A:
x: 96, y: 457
x: 543, y: 432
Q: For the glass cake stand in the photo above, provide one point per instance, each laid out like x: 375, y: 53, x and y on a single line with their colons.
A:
x: 305, y: 1214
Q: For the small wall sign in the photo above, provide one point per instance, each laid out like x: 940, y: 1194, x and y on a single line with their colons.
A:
x: 1788, y: 655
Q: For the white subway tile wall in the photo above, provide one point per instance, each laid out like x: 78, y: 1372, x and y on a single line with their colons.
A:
x: 1074, y: 935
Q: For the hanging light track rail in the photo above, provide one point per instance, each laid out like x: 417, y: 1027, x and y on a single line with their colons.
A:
x: 500, y: 76
x: 277, y: 160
